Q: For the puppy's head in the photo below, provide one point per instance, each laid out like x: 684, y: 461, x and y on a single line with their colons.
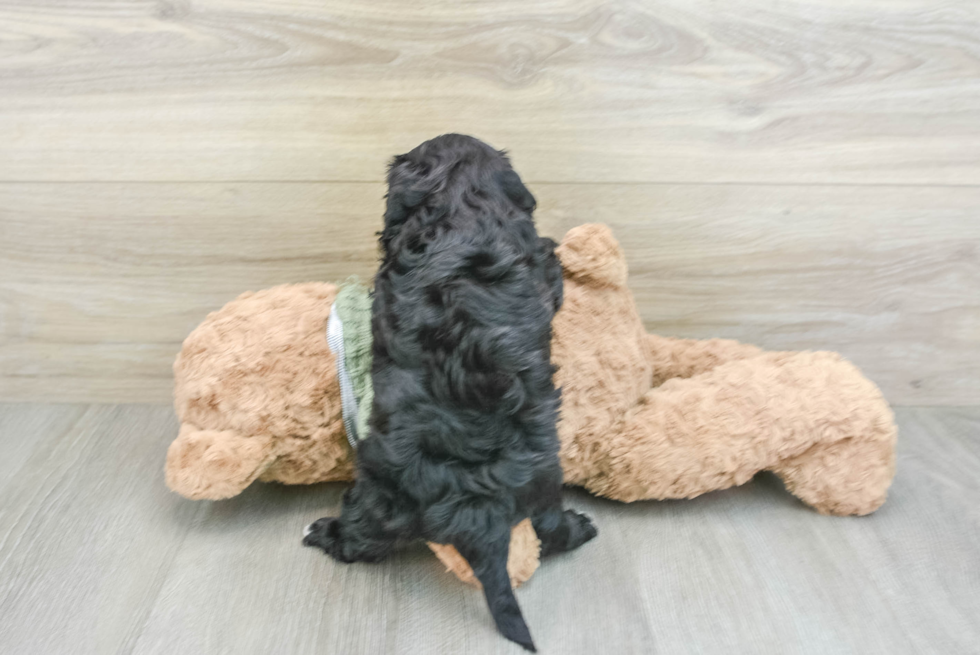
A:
x: 452, y: 173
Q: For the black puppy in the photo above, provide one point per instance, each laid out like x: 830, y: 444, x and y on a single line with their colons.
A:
x: 463, y: 442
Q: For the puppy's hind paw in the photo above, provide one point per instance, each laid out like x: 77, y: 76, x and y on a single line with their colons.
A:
x: 582, y: 528
x: 323, y: 534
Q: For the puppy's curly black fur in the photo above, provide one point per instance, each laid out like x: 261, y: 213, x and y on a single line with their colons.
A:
x: 463, y: 442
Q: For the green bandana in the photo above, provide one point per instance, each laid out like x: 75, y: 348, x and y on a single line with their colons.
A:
x: 349, y: 337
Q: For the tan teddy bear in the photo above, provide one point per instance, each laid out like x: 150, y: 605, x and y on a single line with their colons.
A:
x: 643, y: 417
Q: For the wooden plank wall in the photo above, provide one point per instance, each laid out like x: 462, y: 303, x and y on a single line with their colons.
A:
x: 794, y: 174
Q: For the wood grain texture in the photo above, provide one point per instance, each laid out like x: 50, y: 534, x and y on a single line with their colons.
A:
x: 889, y: 276
x: 100, y: 283
x: 28, y: 428
x: 88, y: 529
x: 872, y: 91
x: 97, y: 557
x: 801, y: 174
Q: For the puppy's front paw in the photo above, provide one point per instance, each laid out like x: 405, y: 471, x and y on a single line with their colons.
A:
x: 324, y: 534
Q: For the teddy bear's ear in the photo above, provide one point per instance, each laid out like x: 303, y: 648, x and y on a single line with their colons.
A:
x: 590, y: 253
x: 215, y: 464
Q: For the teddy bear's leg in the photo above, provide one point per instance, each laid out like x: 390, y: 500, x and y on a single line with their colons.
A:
x: 685, y: 358
x: 811, y: 417
x: 843, y: 478
x: 522, y: 558
x: 215, y: 464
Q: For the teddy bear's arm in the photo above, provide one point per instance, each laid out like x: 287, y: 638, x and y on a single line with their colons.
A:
x: 685, y: 358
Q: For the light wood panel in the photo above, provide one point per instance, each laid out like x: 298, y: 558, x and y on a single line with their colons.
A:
x: 101, y: 282
x: 801, y: 174
x: 870, y: 91
x: 889, y: 276
x: 97, y: 557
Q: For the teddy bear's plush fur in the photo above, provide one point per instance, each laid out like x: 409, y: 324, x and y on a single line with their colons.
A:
x: 257, y: 395
x: 643, y: 416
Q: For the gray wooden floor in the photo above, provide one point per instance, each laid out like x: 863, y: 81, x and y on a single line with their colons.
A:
x: 96, y: 556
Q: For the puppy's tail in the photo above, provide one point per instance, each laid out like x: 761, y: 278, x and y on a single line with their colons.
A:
x: 489, y: 563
